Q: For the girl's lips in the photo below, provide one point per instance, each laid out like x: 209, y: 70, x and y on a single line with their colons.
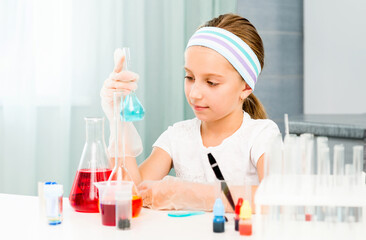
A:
x: 199, y: 108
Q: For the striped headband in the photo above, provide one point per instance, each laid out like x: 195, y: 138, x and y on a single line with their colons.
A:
x: 230, y: 46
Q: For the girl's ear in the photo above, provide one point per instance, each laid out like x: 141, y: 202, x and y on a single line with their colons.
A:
x: 246, y: 91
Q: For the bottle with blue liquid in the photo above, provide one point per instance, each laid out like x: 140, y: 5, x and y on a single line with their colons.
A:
x: 131, y: 108
x: 219, y: 219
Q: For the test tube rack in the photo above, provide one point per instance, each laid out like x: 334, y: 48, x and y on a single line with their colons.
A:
x: 308, y: 205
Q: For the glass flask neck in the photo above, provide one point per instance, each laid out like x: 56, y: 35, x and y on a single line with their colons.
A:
x: 94, y: 129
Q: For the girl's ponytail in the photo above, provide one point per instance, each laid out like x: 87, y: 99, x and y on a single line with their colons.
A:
x: 254, y: 107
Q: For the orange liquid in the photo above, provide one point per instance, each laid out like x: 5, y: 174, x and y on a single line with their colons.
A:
x: 136, y: 205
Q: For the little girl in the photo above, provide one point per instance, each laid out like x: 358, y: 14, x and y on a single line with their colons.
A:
x: 226, y: 140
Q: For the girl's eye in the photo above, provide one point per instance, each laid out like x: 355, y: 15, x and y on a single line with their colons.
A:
x: 212, y: 83
x: 188, y: 78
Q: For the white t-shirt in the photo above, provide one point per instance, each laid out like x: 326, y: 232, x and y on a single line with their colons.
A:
x: 236, y: 156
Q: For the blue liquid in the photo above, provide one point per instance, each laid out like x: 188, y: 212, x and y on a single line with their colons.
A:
x: 133, y: 109
x: 219, y: 224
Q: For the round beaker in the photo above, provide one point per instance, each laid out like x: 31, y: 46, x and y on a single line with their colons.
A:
x: 93, y: 167
x: 108, y: 190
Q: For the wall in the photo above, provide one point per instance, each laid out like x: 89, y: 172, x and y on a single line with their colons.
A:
x: 280, y: 24
x: 335, y: 54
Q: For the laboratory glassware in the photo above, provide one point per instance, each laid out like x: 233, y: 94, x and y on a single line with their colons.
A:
x: 127, y: 108
x: 131, y: 108
x: 119, y: 170
x: 124, y: 209
x: 93, y: 167
x: 53, y: 201
x: 108, y: 191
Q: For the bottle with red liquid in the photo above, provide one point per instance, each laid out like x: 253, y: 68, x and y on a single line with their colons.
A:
x: 93, y: 167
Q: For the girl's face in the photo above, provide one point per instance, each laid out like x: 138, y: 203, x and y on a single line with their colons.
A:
x: 213, y: 88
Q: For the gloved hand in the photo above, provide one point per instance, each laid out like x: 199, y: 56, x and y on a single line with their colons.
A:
x: 172, y: 193
x: 120, y: 81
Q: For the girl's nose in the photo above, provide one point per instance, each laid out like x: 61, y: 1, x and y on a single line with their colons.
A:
x: 195, y: 92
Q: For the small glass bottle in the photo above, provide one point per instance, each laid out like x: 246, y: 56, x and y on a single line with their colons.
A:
x: 53, y: 193
x: 93, y: 167
x: 245, y: 223
x: 237, y: 213
x: 219, y: 219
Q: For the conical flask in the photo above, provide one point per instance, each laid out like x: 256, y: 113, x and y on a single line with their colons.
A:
x: 93, y: 167
x: 131, y: 108
x: 120, y: 172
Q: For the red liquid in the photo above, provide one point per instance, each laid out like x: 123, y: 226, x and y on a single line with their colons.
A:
x: 83, y: 196
x: 108, y: 211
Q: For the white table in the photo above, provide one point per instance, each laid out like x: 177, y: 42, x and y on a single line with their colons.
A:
x: 20, y: 219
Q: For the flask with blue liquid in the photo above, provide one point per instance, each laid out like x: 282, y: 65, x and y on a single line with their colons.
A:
x: 131, y: 108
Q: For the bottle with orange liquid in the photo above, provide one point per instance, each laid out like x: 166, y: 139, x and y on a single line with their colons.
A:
x: 93, y: 167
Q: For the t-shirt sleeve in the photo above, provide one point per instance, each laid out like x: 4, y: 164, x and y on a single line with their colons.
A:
x: 261, y: 141
x: 164, y: 141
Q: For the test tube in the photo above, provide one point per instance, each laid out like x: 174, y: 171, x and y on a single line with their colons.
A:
x: 323, y: 175
x: 338, y: 165
x: 307, y: 170
x: 350, y: 211
x: 358, y: 164
x: 291, y: 154
x: 307, y: 153
x: 274, y: 157
x: 338, y: 177
x: 320, y: 143
x: 324, y: 165
x: 358, y: 169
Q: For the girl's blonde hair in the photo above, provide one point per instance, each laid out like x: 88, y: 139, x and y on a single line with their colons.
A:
x: 242, y: 28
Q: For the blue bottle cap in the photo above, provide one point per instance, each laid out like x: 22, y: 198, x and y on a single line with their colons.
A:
x: 50, y: 183
x: 218, y: 209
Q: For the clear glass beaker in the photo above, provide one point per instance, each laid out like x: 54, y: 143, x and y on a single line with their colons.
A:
x: 93, y: 167
x: 108, y: 191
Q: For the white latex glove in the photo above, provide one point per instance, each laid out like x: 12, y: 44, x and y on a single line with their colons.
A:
x: 119, y: 80
x: 126, y: 81
x: 173, y: 193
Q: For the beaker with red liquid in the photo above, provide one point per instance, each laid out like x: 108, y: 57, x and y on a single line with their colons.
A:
x: 93, y: 167
x: 108, y: 211
x: 108, y: 191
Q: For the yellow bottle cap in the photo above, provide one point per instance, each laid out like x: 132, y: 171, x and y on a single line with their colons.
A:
x: 245, y: 210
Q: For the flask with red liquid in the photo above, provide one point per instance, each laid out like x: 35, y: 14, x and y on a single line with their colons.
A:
x: 93, y: 167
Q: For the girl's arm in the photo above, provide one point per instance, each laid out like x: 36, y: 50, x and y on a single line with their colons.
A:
x: 174, y: 193
x: 155, y: 167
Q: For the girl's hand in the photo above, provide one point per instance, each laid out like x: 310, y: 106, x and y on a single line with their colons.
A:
x: 119, y: 80
x: 172, y: 193
x: 153, y: 195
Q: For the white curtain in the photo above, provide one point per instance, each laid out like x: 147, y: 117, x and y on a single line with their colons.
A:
x: 54, y: 57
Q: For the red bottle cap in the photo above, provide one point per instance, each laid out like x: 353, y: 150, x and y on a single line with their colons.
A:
x: 238, y: 206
